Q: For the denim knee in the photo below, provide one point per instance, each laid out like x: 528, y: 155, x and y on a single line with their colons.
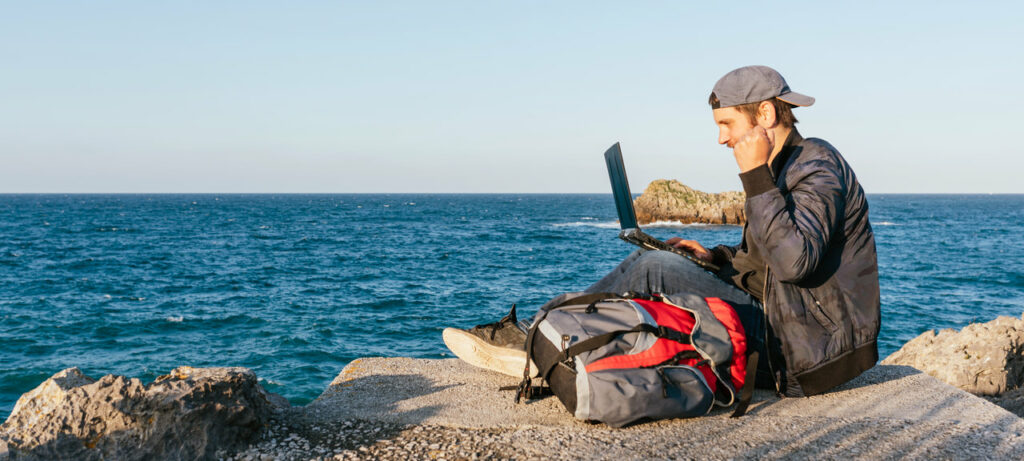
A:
x: 658, y: 261
x: 658, y: 258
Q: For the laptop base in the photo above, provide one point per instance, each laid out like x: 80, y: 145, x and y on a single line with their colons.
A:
x: 639, y: 238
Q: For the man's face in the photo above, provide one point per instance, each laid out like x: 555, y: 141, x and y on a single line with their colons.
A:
x: 732, y: 125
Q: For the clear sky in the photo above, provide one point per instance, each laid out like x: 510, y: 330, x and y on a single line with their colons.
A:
x: 485, y: 96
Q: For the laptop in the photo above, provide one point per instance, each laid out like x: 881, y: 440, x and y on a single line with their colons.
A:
x: 627, y: 216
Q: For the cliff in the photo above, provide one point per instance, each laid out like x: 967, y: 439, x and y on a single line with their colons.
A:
x: 671, y: 200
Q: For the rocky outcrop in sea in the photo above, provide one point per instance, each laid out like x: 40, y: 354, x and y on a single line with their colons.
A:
x: 672, y: 201
x: 985, y: 359
x: 192, y: 413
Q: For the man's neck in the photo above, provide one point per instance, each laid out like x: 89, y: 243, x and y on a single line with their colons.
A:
x: 781, y: 134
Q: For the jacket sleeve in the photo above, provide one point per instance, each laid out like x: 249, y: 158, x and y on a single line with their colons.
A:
x: 794, y: 231
x: 723, y: 254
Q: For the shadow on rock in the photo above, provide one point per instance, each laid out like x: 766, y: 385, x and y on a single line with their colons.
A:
x: 919, y: 436
x: 878, y: 375
x: 352, y: 416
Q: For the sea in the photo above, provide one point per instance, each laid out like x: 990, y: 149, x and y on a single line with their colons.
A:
x: 296, y: 286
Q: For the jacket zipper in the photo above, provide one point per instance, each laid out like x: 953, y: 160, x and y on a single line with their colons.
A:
x: 764, y: 305
x: 767, y: 346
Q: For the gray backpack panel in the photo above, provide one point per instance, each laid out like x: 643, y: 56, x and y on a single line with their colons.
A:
x: 619, y: 396
x: 709, y: 335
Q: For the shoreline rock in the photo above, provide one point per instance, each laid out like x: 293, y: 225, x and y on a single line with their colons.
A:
x: 985, y: 359
x: 189, y: 414
x: 671, y: 200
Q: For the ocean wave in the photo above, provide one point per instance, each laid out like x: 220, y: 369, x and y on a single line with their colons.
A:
x: 591, y: 222
x: 675, y: 225
x: 174, y: 319
x: 599, y: 224
x: 884, y: 223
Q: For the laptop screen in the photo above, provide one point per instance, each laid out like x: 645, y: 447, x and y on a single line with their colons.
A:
x: 620, y: 187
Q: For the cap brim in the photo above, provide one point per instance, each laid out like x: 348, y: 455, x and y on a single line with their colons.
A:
x: 796, y: 99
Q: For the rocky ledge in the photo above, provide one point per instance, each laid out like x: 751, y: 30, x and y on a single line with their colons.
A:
x: 985, y: 359
x: 672, y: 201
x: 401, y: 408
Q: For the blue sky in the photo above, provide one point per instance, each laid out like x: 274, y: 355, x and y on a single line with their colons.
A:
x: 481, y: 96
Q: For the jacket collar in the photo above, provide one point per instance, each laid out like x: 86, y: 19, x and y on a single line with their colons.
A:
x: 788, y: 147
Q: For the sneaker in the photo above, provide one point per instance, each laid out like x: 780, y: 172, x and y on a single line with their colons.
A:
x: 498, y: 346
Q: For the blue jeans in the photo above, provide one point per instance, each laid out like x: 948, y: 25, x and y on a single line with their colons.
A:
x: 666, y: 272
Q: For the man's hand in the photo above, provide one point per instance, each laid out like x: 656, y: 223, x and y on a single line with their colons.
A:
x: 754, y: 148
x: 692, y: 246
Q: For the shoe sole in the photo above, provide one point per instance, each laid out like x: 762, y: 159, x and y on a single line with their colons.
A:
x: 475, y: 351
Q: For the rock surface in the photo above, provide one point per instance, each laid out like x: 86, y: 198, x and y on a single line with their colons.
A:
x: 188, y: 414
x: 400, y: 408
x: 982, y: 358
x: 670, y: 200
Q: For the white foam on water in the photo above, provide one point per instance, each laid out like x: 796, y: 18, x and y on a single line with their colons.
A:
x: 884, y: 223
x: 174, y: 319
x: 675, y: 225
x: 592, y: 222
x: 602, y: 225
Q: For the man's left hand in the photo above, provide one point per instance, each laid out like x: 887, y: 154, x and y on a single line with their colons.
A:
x: 754, y: 148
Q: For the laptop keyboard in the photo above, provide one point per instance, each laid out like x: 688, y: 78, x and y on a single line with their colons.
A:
x: 638, y: 238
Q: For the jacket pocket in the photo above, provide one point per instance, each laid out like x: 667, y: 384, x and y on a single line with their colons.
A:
x: 820, y: 314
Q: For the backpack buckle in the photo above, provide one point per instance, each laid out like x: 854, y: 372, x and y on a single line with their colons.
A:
x: 525, y: 389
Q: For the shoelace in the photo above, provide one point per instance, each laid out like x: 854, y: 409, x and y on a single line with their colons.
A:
x: 510, y: 318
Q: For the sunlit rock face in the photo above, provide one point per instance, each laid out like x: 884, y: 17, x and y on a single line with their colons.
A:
x: 982, y: 358
x: 188, y: 414
x: 668, y: 200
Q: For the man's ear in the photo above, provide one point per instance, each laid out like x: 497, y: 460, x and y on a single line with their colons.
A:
x: 766, y: 115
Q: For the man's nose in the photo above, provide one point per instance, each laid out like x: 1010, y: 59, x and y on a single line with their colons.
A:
x: 723, y: 137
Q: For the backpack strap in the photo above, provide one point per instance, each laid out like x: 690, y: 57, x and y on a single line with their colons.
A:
x: 595, y: 297
x: 748, y: 386
x: 601, y: 340
x: 525, y: 388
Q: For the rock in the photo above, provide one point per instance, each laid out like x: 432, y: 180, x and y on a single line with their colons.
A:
x: 982, y: 358
x: 670, y: 200
x: 189, y: 414
x: 1012, y: 401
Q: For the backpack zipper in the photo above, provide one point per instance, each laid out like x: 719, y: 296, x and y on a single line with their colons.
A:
x: 697, y: 324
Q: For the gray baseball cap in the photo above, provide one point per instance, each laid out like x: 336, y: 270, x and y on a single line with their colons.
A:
x: 754, y: 84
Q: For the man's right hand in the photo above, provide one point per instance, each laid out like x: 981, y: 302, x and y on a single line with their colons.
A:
x: 692, y: 246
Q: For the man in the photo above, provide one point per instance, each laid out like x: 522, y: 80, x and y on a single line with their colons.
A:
x: 806, y: 262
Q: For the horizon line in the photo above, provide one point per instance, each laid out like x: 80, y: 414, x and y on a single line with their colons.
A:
x: 444, y: 193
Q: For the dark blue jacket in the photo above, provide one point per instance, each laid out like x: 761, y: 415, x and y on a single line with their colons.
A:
x: 808, y: 224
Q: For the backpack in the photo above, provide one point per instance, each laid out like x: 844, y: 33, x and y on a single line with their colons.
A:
x: 619, y: 358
